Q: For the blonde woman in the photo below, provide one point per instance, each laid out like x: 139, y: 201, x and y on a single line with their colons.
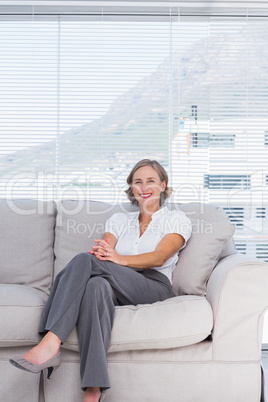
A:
x: 131, y: 264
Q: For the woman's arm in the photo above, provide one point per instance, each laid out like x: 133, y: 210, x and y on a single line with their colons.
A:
x: 110, y: 239
x: 166, y: 248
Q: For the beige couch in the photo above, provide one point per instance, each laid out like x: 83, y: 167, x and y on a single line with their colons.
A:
x: 202, y: 345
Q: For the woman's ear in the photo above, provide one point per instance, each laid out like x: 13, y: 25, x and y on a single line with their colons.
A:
x: 163, y: 185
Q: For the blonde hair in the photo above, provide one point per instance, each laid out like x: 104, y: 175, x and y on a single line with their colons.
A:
x: 162, y: 175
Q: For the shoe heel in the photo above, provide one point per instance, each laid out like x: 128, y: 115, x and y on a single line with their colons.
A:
x: 49, y: 372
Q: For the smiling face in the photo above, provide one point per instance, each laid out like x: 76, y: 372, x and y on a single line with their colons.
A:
x: 147, y: 187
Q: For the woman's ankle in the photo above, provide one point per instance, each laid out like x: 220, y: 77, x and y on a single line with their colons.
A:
x: 51, y: 341
x: 92, y: 394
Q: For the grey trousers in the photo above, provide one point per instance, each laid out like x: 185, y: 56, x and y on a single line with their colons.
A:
x: 84, y: 295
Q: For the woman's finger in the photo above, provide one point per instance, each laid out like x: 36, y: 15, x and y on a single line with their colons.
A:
x: 101, y: 242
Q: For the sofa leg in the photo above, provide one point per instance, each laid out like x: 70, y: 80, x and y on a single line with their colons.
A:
x: 263, y: 394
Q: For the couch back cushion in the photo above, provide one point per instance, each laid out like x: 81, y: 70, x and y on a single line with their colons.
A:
x: 210, y: 241
x: 80, y: 222
x: 26, y: 243
x: 198, y: 259
x: 210, y: 213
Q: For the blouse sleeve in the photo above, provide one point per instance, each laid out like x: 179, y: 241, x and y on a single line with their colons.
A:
x: 115, y: 224
x: 178, y: 222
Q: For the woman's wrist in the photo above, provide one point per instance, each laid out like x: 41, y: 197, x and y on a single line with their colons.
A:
x: 122, y: 260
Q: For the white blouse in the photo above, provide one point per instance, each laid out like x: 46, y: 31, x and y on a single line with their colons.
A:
x: 125, y: 227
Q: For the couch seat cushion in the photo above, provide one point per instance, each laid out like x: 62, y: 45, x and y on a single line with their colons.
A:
x: 20, y: 313
x: 179, y: 321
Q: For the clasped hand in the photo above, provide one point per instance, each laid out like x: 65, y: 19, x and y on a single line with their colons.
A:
x: 103, y: 251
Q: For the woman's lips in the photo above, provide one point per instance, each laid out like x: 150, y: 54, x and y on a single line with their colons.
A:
x: 146, y: 195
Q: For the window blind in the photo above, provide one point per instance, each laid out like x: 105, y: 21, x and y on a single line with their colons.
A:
x: 220, y: 150
x: 83, y: 99
x: 87, y: 91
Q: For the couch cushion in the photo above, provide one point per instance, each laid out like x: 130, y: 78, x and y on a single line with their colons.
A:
x: 26, y: 242
x: 211, y: 213
x: 78, y: 224
x: 21, y: 308
x: 175, y: 322
x: 172, y: 323
x: 200, y: 256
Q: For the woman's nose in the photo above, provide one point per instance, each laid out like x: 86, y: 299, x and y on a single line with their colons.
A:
x: 143, y: 187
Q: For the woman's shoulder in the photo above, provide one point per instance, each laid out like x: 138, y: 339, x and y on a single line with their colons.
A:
x: 176, y: 221
x: 175, y: 213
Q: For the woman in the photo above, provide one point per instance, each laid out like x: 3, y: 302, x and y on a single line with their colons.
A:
x: 131, y: 264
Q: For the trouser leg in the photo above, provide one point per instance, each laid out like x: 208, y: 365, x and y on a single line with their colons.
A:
x: 65, y: 304
x: 94, y: 327
x: 62, y: 307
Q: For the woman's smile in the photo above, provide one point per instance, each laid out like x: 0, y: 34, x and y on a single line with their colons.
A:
x: 145, y: 195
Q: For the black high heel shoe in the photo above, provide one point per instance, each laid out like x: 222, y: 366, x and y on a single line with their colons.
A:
x: 24, y: 364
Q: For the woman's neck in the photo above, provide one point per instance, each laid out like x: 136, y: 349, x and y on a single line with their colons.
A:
x: 146, y: 215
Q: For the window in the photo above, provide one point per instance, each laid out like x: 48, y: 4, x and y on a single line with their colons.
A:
x: 226, y: 182
x: 194, y: 112
x: 266, y: 138
x: 241, y: 247
x: 261, y: 213
x: 206, y: 140
x: 262, y: 251
x: 87, y: 91
x: 236, y: 216
x: 83, y: 98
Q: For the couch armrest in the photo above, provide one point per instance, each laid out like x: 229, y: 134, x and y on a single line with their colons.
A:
x: 238, y: 293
